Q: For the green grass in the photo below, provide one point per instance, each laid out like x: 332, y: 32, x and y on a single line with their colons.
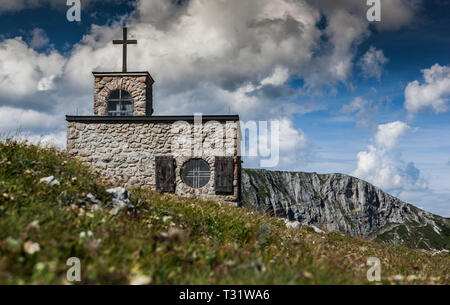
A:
x: 170, y: 240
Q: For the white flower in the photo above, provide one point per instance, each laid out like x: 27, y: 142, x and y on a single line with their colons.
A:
x: 49, y: 181
x: 140, y: 280
x: 89, y: 234
x: 31, y: 247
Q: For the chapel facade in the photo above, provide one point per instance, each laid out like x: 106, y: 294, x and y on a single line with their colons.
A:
x: 192, y: 155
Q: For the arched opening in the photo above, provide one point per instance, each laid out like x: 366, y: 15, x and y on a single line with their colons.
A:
x: 120, y: 103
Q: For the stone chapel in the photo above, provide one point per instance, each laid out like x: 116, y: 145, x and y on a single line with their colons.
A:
x: 189, y: 155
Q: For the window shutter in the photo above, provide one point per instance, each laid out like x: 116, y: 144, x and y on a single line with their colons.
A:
x: 224, y: 175
x: 165, y: 174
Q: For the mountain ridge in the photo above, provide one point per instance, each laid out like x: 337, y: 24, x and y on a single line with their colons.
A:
x: 339, y: 202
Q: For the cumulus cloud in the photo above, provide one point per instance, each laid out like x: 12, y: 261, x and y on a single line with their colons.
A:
x: 363, y: 110
x: 372, y: 62
x: 394, y: 13
x: 23, y: 71
x: 11, y: 5
x: 209, y: 56
x: 335, y: 62
x: 209, y: 50
x: 46, y: 83
x: 227, y: 45
x: 295, y: 147
x: 37, y: 127
x: 280, y: 144
x: 279, y: 77
x: 388, y: 134
x: 18, y: 5
x: 382, y: 165
x: 433, y: 93
x: 14, y: 119
x: 57, y: 139
x: 39, y: 39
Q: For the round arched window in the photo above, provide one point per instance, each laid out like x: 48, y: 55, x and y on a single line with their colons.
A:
x: 120, y: 103
x: 196, y: 173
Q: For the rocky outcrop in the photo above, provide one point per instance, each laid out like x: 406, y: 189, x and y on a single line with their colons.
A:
x: 343, y: 203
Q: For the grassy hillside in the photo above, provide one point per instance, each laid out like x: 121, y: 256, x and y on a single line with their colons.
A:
x: 169, y: 240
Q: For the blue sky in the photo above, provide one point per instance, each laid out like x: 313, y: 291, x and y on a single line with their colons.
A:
x: 350, y: 94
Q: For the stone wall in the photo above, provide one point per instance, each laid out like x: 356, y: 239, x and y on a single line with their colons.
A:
x: 138, y: 85
x: 126, y: 152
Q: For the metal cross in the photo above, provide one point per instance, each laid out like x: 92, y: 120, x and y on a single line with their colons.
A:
x: 124, y: 43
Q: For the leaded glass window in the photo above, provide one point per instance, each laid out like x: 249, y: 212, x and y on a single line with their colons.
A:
x: 196, y: 173
x: 120, y: 103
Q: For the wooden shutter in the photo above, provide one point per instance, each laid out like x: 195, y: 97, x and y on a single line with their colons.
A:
x: 165, y: 174
x: 224, y: 175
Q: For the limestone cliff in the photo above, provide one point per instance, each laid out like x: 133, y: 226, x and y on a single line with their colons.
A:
x: 343, y: 203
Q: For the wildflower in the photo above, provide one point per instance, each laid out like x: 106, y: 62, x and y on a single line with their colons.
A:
x: 31, y: 247
x: 140, y: 280
x: 33, y: 225
x: 307, y: 275
x: 52, y: 181
x: 89, y: 234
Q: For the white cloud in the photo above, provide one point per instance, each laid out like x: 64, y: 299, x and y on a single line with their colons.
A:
x: 294, y: 144
x: 227, y: 47
x: 227, y: 44
x: 36, y: 127
x: 57, y: 139
x: 22, y: 69
x: 433, y: 93
x: 209, y: 56
x: 15, y: 119
x: 363, y: 109
x: 344, y: 32
x: 394, y: 13
x: 278, y: 78
x: 39, y: 39
x: 11, y: 5
x: 46, y: 83
x: 289, y: 148
x: 372, y: 62
x: 382, y: 164
x: 388, y: 134
x: 18, y: 5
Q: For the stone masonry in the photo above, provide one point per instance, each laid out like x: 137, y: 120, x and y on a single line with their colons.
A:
x: 138, y: 84
x: 124, y: 149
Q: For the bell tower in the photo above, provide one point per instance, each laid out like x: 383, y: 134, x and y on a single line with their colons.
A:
x: 123, y: 93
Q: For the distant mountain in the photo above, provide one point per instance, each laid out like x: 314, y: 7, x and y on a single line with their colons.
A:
x: 343, y: 203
